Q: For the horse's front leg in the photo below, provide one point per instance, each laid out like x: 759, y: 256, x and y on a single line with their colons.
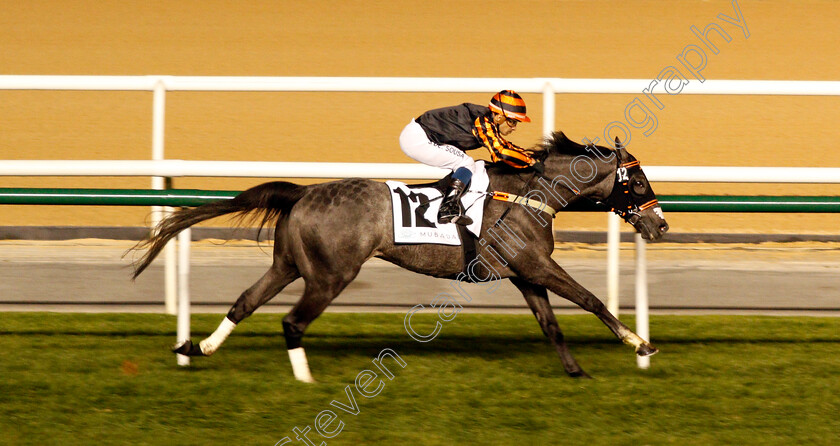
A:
x: 537, y: 299
x: 545, y: 272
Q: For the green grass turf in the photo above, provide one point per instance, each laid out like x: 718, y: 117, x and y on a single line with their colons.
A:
x: 68, y: 379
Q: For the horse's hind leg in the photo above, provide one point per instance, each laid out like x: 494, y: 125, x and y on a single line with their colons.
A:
x: 317, y: 295
x: 537, y: 298
x: 271, y: 283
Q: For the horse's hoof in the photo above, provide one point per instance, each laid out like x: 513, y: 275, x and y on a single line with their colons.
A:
x: 187, y: 348
x: 646, y: 349
x: 580, y: 374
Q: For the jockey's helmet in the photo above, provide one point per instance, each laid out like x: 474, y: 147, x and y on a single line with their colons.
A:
x: 509, y: 104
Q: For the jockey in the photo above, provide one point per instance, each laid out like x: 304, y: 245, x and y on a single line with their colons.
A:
x: 441, y: 137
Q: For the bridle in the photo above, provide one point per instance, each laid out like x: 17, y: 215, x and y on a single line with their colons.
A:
x: 627, y: 186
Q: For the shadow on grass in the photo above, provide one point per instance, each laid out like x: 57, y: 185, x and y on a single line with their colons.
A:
x: 493, y: 345
x: 368, y: 338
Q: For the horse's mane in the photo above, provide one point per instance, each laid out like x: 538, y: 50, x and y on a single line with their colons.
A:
x: 559, y: 143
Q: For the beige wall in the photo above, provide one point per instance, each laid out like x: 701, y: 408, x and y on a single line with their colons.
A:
x: 601, y: 39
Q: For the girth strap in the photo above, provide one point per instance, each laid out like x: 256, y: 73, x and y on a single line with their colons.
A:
x: 513, y: 198
x: 469, y: 249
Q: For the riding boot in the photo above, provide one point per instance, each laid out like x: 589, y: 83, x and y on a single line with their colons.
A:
x: 451, y: 210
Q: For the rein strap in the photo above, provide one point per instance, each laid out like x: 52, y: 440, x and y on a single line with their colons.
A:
x: 513, y: 198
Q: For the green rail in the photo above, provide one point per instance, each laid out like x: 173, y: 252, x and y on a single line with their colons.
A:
x: 194, y: 197
x: 725, y: 203
x: 114, y: 197
x: 734, y: 203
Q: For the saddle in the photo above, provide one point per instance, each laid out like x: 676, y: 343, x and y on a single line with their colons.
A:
x: 416, y: 206
x: 468, y: 239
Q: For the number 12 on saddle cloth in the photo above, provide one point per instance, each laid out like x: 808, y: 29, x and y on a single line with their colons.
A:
x: 416, y: 208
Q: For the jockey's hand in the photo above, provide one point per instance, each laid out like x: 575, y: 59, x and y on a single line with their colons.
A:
x: 538, y: 167
x: 536, y: 152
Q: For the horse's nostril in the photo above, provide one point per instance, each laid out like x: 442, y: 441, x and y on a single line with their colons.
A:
x: 664, y: 228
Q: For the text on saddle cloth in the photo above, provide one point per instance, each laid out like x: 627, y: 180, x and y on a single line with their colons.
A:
x: 416, y: 209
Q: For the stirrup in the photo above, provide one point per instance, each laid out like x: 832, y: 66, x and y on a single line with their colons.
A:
x: 458, y: 217
x: 462, y: 220
x: 450, y: 210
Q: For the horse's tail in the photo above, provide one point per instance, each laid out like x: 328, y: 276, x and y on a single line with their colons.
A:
x: 270, y: 199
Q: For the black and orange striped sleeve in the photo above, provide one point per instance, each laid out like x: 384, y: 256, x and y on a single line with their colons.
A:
x: 500, y: 149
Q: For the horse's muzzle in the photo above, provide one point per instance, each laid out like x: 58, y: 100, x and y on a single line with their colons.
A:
x: 650, y: 231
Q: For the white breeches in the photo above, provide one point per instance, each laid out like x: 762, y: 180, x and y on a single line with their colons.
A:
x: 415, y: 144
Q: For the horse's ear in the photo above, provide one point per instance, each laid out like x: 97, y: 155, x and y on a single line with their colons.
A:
x: 620, y: 150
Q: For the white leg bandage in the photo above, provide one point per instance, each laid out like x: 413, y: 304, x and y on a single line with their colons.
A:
x: 300, y: 366
x: 215, y: 340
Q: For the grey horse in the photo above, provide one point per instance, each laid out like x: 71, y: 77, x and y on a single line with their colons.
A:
x: 325, y: 232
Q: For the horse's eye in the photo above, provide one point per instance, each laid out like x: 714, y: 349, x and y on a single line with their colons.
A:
x: 638, y: 187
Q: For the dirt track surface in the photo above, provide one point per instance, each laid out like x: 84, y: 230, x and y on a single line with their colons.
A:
x: 539, y: 38
x: 89, y: 275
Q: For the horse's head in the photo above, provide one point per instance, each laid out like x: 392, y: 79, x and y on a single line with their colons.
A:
x: 613, y: 178
x: 632, y: 197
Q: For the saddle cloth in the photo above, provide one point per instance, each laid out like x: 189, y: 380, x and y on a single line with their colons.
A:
x: 416, y: 209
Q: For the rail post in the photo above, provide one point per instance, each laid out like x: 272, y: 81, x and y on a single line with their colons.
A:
x: 613, y: 251
x: 642, y: 321
x: 159, y: 212
x: 183, y: 292
x: 548, y: 109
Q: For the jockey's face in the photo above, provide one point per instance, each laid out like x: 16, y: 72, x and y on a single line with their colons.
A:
x: 506, y: 125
